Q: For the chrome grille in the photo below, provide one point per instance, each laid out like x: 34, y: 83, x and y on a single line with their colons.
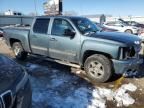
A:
x: 6, y: 99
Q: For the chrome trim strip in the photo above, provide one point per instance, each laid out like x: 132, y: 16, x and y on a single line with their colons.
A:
x: 22, y: 82
x: 62, y: 52
x: 38, y: 47
x: 2, y: 95
x: 1, y: 103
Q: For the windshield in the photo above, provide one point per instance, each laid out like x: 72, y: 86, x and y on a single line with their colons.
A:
x: 85, y: 26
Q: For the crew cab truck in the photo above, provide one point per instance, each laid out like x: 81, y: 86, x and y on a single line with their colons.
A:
x: 76, y: 41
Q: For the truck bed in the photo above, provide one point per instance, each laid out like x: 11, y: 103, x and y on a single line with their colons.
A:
x: 17, y: 27
x: 20, y: 33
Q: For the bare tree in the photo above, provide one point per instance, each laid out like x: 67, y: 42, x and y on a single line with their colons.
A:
x: 32, y: 14
x: 70, y: 13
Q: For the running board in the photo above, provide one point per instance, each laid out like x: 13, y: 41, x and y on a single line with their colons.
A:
x: 59, y: 61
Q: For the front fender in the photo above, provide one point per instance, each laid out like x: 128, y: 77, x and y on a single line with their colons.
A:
x: 101, y: 47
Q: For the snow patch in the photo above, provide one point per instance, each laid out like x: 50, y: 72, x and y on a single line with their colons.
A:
x: 1, y: 39
x: 122, y: 97
x: 101, y: 95
x: 32, y: 66
x: 57, y: 82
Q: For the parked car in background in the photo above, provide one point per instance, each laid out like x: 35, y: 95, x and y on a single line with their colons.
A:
x: 122, y: 27
x: 1, y: 32
x: 141, y: 34
x: 15, y: 89
x: 132, y: 23
x: 103, y: 28
x: 76, y: 41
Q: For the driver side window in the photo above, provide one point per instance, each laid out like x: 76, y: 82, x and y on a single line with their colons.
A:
x: 60, y: 26
x: 118, y: 24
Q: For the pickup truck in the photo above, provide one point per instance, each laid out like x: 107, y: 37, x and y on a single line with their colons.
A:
x: 76, y: 41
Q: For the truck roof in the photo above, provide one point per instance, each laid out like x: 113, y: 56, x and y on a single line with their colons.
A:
x: 60, y: 16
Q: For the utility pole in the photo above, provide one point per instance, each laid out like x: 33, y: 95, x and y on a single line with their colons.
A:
x: 35, y: 7
x: 60, y: 7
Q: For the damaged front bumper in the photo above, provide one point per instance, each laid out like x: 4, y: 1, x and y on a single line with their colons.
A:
x: 123, y: 66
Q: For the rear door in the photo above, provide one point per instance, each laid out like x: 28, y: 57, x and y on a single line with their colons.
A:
x: 39, y: 36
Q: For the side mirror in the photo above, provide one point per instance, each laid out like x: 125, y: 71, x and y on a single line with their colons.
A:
x: 69, y: 32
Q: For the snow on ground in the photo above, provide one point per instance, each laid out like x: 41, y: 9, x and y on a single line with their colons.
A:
x: 122, y: 98
x: 62, y: 89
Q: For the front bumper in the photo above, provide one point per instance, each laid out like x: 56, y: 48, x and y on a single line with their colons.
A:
x: 122, y: 66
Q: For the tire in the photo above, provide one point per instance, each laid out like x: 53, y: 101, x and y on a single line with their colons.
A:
x: 98, y: 68
x: 129, y: 31
x: 19, y: 52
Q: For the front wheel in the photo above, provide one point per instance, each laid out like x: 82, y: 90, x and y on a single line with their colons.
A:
x: 19, y: 51
x: 129, y: 31
x: 98, y: 68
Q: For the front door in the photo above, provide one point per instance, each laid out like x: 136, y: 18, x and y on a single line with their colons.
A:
x: 62, y: 46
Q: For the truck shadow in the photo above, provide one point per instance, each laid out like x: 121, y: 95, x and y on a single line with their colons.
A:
x: 54, y: 84
x: 73, y: 71
x: 139, y: 73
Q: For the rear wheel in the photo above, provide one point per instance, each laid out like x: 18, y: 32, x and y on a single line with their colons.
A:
x: 19, y: 51
x: 129, y: 31
x: 98, y: 68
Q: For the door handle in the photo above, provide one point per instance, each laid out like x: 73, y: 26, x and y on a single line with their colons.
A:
x: 53, y: 39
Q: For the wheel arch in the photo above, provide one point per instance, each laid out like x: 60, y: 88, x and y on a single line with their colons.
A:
x: 88, y: 53
x: 129, y: 30
x: 13, y: 40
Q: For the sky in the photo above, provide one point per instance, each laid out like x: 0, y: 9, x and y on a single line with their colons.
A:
x: 81, y: 7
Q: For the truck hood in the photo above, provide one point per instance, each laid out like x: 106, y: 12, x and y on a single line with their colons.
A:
x: 119, y: 37
x: 9, y: 75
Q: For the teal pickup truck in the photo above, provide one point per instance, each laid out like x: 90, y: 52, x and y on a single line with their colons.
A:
x: 76, y: 41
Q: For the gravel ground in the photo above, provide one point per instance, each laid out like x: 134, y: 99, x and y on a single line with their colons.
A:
x: 57, y: 86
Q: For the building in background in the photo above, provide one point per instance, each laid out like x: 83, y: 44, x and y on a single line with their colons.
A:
x: 53, y: 7
x: 9, y: 12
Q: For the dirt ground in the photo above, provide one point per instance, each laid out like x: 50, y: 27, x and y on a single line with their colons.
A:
x: 137, y: 79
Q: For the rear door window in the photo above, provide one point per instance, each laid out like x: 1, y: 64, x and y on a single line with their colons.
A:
x: 41, y: 26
